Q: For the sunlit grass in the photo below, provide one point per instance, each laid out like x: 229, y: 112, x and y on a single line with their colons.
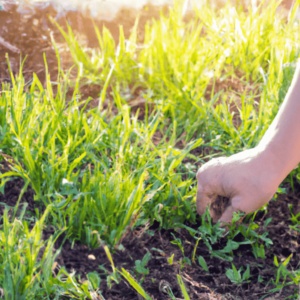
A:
x: 241, y: 55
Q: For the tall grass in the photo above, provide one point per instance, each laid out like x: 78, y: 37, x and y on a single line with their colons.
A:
x: 225, y: 98
x: 27, y: 263
x: 99, y: 169
x: 243, y: 56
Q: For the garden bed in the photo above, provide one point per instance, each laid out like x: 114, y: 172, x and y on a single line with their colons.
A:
x: 161, y: 274
x: 101, y: 159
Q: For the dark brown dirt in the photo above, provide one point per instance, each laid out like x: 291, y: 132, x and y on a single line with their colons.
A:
x: 219, y: 206
x: 12, y: 190
x: 22, y: 36
x: 200, y: 284
x: 11, y: 195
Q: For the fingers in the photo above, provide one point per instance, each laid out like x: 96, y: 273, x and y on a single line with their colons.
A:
x: 208, y: 184
x: 203, y: 199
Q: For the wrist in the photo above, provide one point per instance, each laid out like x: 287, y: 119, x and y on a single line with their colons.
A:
x: 273, y: 163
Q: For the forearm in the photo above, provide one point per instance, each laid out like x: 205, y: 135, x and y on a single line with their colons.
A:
x: 282, y: 139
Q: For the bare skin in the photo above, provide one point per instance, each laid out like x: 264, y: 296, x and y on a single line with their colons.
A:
x: 250, y: 178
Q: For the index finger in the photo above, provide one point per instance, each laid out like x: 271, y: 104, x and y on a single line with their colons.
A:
x: 203, y: 199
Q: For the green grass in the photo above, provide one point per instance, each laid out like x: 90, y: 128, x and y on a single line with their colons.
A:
x: 216, y: 82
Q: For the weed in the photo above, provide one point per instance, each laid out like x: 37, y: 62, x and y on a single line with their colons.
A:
x: 235, y: 275
x: 202, y: 263
x: 140, y: 267
x: 185, y: 260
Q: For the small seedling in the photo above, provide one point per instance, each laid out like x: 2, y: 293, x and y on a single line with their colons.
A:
x: 260, y: 279
x: 208, y: 231
x: 159, y: 251
x: 134, y: 284
x: 94, y: 279
x: 258, y: 250
x: 202, y: 263
x: 150, y: 232
x: 295, y: 218
x: 283, y: 271
x: 177, y: 242
x: 185, y: 259
x: 114, y: 275
x: 234, y: 226
x: 235, y: 276
x: 183, y: 288
x: 170, y: 259
x: 195, y: 248
x: 165, y: 288
x: 101, y: 267
x: 140, y: 267
x: 267, y: 222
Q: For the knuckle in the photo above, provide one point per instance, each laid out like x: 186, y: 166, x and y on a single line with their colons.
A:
x: 198, y: 175
x: 218, y: 160
x: 203, y: 170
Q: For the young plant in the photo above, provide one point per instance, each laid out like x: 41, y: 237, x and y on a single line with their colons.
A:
x: 134, y: 284
x: 140, y: 267
x: 165, y: 288
x: 251, y: 237
x: 202, y: 263
x: 185, y: 260
x: 27, y: 263
x: 170, y: 259
x: 126, y: 275
x: 210, y: 234
x: 114, y: 276
x: 258, y: 250
x: 282, y: 270
x: 236, y: 277
x: 295, y: 219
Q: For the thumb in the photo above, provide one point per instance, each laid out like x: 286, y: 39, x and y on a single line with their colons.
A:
x: 227, y: 215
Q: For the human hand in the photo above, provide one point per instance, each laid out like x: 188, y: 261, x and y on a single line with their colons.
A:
x: 248, y: 179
